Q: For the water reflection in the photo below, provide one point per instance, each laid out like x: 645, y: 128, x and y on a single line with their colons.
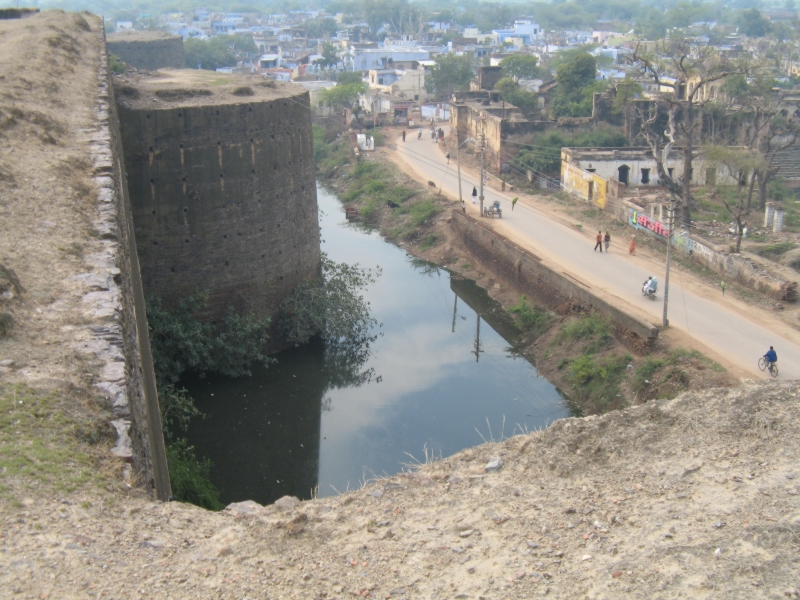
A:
x: 443, y: 377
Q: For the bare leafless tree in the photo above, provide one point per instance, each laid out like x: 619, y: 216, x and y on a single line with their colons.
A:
x: 680, y: 69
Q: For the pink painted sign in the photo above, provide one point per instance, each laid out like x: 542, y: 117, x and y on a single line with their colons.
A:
x: 642, y: 221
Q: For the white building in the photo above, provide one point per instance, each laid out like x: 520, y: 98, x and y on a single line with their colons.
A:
x: 367, y: 59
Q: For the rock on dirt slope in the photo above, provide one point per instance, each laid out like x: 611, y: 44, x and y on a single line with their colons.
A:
x: 694, y: 497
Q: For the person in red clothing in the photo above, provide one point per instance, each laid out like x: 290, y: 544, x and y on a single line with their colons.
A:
x: 599, y: 243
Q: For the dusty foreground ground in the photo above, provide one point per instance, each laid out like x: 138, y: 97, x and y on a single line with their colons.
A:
x: 694, y: 497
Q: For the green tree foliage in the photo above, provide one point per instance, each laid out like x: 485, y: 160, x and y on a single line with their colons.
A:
x: 115, y: 64
x: 190, y: 476
x: 627, y: 90
x: 450, y: 73
x: 209, y: 54
x: 544, y: 153
x: 321, y: 28
x: 181, y: 343
x: 753, y: 24
x: 328, y: 57
x: 576, y: 87
x: 348, y: 77
x: 520, y: 66
x: 399, y: 16
x: 343, y: 96
x: 514, y: 94
x: 334, y: 309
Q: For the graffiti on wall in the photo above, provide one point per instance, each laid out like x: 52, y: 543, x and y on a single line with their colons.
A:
x: 640, y: 220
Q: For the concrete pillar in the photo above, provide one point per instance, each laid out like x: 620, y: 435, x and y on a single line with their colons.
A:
x: 777, y: 223
x: 769, y: 214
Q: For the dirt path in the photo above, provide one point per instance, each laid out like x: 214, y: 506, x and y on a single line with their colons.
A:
x: 731, y: 331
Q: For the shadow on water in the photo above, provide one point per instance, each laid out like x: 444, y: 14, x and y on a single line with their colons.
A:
x: 444, y: 376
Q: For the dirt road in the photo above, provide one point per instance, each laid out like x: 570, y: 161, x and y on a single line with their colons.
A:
x: 735, y: 332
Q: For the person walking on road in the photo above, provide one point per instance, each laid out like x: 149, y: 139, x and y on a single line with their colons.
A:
x: 474, y: 195
x: 514, y: 203
x: 607, y: 240
x: 722, y: 285
x: 447, y: 156
x: 404, y: 135
x: 632, y: 246
x: 599, y: 243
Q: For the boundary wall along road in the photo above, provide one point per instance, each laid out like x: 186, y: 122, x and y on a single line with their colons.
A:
x: 728, y: 328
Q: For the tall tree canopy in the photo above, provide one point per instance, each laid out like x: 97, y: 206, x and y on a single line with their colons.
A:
x: 450, y: 73
x: 520, y: 66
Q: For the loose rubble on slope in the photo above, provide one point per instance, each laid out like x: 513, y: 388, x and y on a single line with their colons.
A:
x: 694, y: 497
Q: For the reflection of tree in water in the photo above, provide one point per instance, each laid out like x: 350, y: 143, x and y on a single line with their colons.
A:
x: 332, y: 309
x: 345, y: 360
x: 424, y: 267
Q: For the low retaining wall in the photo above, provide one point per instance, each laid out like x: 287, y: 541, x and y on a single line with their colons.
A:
x: 736, y: 267
x: 544, y: 282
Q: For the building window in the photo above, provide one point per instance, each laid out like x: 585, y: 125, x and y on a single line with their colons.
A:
x: 416, y: 96
x: 645, y: 176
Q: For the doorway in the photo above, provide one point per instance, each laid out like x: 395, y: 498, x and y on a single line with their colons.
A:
x: 591, y: 190
x: 624, y: 171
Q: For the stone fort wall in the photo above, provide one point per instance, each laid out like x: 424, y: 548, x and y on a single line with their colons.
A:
x: 149, y: 52
x: 224, y: 199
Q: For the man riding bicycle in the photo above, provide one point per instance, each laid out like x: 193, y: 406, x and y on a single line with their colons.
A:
x: 771, y: 357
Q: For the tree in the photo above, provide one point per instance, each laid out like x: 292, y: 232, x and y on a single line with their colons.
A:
x: 348, y: 77
x: 683, y: 68
x: 576, y: 86
x: 344, y: 96
x: 320, y: 28
x: 753, y: 24
x: 626, y: 90
x: 328, y: 57
x: 450, y: 73
x: 520, y: 66
x: 209, y: 54
x: 772, y: 128
x: 512, y: 93
x: 743, y: 164
x: 334, y: 309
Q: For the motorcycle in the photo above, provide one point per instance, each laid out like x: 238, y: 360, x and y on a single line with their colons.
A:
x: 649, y: 289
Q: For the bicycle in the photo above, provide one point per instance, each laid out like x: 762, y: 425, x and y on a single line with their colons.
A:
x: 773, y: 368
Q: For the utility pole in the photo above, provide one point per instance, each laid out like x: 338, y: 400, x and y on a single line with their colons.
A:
x: 478, y: 350
x: 458, y: 163
x: 483, y: 144
x: 455, y: 305
x: 665, y: 320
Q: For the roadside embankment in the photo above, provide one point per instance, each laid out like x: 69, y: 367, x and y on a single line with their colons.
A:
x: 694, y: 497
x: 602, y: 357
x: 545, y: 282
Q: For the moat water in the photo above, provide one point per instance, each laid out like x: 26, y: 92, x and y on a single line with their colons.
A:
x: 444, y: 377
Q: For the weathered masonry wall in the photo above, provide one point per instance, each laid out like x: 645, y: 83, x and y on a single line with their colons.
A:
x: 537, y: 279
x: 223, y: 199
x: 150, y: 52
x: 127, y: 380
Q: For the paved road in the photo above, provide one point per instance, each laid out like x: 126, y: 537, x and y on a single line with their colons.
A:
x: 720, y: 327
